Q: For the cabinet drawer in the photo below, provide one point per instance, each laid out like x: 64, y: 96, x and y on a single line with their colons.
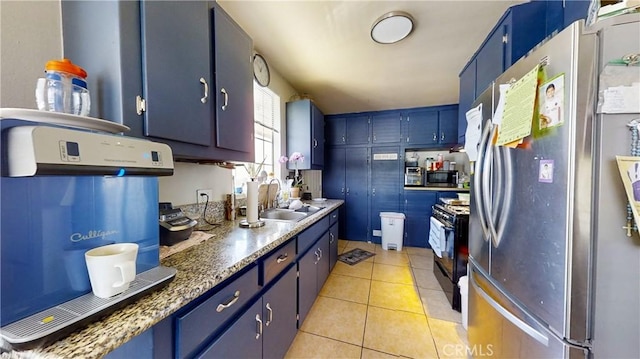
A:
x: 195, y: 326
x: 275, y: 262
x: 311, y: 234
x: 333, y: 217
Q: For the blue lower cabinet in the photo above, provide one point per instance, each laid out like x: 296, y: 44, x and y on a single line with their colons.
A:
x: 279, y: 316
x: 266, y: 329
x: 417, y: 209
x: 242, y: 339
x: 313, y: 270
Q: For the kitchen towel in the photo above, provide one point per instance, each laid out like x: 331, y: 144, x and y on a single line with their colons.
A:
x: 436, y: 236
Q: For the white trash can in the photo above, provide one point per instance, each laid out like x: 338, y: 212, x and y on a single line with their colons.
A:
x: 392, y: 230
x: 463, y: 283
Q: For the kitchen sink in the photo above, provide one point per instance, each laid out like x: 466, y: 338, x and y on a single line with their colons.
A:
x: 288, y: 215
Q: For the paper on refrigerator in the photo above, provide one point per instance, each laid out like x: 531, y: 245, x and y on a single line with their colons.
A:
x: 519, y: 101
x: 473, y: 132
x: 629, y: 167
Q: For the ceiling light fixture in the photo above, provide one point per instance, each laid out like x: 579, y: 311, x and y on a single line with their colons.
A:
x: 392, y: 27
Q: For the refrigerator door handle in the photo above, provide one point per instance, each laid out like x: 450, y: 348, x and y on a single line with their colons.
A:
x: 541, y: 338
x: 486, y: 189
x: 478, y: 185
x: 504, y: 194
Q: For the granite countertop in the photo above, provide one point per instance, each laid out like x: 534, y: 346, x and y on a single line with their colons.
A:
x: 200, y: 268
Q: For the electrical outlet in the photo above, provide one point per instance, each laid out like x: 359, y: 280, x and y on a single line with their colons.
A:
x: 377, y: 233
x: 200, y: 195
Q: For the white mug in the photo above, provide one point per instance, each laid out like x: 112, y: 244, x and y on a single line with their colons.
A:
x: 111, y: 268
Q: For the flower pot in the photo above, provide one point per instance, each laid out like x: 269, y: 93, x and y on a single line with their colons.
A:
x: 295, y: 192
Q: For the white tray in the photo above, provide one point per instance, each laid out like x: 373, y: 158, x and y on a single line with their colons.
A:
x: 65, y: 119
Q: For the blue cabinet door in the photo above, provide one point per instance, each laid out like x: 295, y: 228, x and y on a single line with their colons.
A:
x: 333, y: 176
x: 417, y: 209
x: 324, y: 249
x: 317, y: 137
x: 335, y: 131
x: 356, y: 226
x: 421, y: 127
x: 385, y: 127
x: 241, y: 340
x: 467, y: 97
x: 173, y: 91
x: 305, y: 134
x: 448, y: 126
x: 307, y: 282
x: 385, y: 183
x: 357, y: 130
x: 234, y: 84
x: 279, y: 315
x: 490, y: 60
x: 575, y: 10
x: 333, y: 245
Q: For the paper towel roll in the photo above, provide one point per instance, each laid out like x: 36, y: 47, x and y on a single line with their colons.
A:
x: 252, y: 202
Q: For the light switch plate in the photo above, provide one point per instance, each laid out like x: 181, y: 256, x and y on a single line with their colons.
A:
x: 377, y: 233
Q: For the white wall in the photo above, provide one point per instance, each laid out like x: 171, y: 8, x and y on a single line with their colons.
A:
x: 31, y: 35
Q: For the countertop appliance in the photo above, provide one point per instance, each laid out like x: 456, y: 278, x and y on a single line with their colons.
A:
x: 451, y: 263
x: 553, y: 273
x: 441, y: 178
x: 65, y: 191
x: 175, y: 226
x: 413, y: 176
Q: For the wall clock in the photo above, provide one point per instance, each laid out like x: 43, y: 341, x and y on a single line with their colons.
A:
x: 261, y: 70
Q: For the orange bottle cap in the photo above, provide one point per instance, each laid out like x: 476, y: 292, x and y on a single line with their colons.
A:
x: 67, y: 66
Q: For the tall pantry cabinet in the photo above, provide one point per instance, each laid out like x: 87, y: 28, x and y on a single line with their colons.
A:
x: 177, y: 72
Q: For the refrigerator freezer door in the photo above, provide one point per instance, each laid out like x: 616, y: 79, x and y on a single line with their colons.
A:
x: 498, y: 328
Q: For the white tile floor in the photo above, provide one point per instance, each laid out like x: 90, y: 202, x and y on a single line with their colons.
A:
x: 389, y: 306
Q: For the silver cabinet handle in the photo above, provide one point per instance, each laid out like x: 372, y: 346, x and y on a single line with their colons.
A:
x: 233, y: 300
x: 226, y: 98
x: 315, y: 143
x: 435, y: 136
x: 373, y: 191
x: 342, y: 190
x: 141, y: 105
x: 282, y: 258
x: 347, y: 190
x: 332, y: 237
x: 320, y: 250
x: 206, y: 90
x: 317, y: 257
x: 442, y: 137
x: 268, y: 306
x: 259, y: 326
x: 344, y: 139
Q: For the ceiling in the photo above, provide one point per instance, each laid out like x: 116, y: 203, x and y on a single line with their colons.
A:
x: 323, y: 49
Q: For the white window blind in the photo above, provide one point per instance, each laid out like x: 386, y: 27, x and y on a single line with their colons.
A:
x: 267, y: 127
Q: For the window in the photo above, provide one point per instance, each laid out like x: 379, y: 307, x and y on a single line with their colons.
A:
x: 267, y: 128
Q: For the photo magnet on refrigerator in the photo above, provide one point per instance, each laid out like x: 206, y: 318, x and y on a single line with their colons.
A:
x: 545, y: 173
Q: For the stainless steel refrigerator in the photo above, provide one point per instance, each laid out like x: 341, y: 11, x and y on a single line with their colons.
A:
x: 552, y: 272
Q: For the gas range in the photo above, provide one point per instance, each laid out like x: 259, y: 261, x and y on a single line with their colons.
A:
x: 447, y: 213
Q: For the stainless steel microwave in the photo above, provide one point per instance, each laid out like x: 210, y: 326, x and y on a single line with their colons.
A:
x: 441, y: 179
x: 413, y: 176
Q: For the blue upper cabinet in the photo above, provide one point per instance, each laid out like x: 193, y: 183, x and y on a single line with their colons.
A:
x: 189, y: 88
x: 385, y: 127
x: 519, y: 30
x: 335, y: 131
x: 358, y: 130
x: 430, y: 127
x: 467, y: 96
x: 156, y: 66
x: 575, y: 10
x: 305, y: 133
x: 234, y: 83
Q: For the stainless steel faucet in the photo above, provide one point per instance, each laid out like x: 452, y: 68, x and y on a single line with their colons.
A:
x: 275, y: 199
